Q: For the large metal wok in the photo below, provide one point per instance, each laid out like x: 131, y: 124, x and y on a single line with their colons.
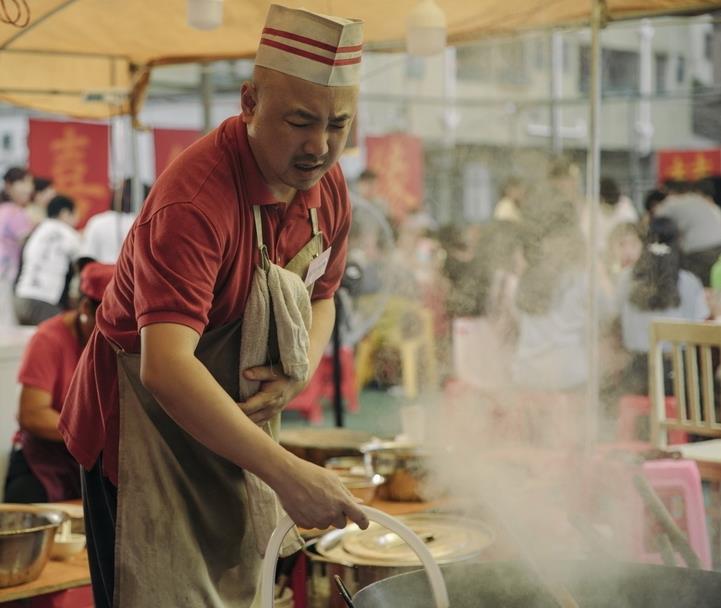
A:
x: 510, y: 585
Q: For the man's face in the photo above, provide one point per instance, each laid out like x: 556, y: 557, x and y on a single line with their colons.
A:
x: 297, y: 129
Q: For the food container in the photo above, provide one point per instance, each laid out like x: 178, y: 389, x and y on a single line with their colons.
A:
x: 362, y: 485
x: 362, y: 557
x: 26, y: 539
x: 67, y: 544
x: 405, y: 467
x: 348, y: 464
x: 319, y: 445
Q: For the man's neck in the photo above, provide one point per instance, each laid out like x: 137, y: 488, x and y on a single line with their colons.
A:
x: 279, y: 190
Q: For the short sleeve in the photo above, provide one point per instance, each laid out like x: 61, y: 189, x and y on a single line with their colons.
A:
x: 693, y: 297
x: 39, y: 366
x: 177, y: 256
x: 327, y: 285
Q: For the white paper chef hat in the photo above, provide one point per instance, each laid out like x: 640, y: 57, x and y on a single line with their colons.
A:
x: 319, y: 48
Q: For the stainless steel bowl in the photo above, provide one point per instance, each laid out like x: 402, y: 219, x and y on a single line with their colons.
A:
x: 27, y: 534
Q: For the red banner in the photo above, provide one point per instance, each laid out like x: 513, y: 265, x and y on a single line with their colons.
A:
x: 397, y: 159
x: 75, y: 156
x: 688, y: 165
x: 169, y: 143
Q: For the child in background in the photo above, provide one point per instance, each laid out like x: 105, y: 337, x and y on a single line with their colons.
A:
x: 623, y: 249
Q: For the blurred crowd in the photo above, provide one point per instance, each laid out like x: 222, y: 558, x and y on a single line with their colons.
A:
x: 509, y: 298
x: 42, y: 250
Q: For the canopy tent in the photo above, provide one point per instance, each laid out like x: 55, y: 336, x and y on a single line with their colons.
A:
x: 92, y: 58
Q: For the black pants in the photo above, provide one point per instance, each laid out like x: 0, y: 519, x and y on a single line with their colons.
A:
x: 100, y: 502
x: 21, y: 485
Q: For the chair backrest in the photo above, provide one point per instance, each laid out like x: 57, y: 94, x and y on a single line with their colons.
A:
x: 687, y: 346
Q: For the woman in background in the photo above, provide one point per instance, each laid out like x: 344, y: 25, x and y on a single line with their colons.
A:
x: 41, y: 468
x: 15, y: 226
x: 655, y: 288
x: 551, y: 302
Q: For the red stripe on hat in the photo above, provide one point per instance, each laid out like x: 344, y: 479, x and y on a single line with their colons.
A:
x: 300, y: 52
x: 313, y: 42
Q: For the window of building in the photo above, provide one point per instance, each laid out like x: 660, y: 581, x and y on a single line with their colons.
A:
x: 708, y: 46
x: 680, y: 69
x: 661, y: 73
x: 511, y: 62
x: 474, y: 62
x: 620, y: 71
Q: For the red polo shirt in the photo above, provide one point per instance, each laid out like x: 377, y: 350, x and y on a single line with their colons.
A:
x: 48, y: 364
x: 189, y: 259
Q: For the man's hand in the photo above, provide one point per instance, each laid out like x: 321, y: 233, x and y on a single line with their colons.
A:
x: 316, y: 498
x: 276, y: 391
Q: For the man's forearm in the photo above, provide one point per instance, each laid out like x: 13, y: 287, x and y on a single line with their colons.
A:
x: 320, y: 331
x: 192, y: 397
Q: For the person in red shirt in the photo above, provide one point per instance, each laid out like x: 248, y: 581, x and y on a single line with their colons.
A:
x: 41, y: 468
x: 255, y: 191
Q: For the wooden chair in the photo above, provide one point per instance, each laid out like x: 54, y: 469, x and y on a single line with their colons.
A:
x: 691, y: 345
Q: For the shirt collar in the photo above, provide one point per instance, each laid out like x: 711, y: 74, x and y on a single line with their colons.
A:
x: 256, y: 189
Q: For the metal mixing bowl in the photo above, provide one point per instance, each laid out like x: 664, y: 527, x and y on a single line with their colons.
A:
x: 27, y: 534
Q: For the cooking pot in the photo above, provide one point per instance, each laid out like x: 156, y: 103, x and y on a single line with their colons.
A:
x: 361, y: 557
x: 437, y: 585
x: 319, y: 445
x: 593, y: 584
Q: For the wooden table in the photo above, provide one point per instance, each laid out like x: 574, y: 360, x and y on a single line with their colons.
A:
x: 56, y: 576
x: 62, y: 575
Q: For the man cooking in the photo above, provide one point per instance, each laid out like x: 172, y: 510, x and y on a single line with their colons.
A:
x: 207, y: 331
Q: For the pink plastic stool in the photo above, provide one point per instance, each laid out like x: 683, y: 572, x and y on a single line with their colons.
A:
x: 678, y: 485
x: 633, y: 407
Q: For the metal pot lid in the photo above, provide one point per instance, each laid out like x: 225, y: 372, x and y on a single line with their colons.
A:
x: 448, y: 539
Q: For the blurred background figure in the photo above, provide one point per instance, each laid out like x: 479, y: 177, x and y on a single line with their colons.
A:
x: 367, y: 186
x: 105, y: 232
x: 43, y: 193
x: 624, y: 247
x: 699, y: 224
x: 564, y: 178
x: 551, y: 299
x: 46, y: 264
x: 614, y: 209
x: 509, y: 208
x: 655, y: 288
x: 15, y: 226
x: 17, y: 186
x: 41, y: 468
x: 651, y: 203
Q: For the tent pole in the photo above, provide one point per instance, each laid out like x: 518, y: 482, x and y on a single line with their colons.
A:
x: 593, y: 168
x: 556, y: 89
x: 136, y: 182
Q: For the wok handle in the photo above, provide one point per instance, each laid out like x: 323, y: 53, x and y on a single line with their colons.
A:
x: 438, y: 585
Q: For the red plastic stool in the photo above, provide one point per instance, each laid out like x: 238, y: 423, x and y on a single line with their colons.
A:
x: 678, y: 485
x: 632, y: 408
x: 309, y: 401
x: 78, y: 597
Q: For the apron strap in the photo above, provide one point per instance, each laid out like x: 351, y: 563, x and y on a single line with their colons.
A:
x: 314, y: 221
x: 258, y: 227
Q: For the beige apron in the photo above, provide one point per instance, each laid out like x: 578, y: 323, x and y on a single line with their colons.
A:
x: 183, y: 532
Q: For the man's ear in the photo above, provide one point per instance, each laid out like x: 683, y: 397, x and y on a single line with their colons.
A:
x: 248, y: 100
